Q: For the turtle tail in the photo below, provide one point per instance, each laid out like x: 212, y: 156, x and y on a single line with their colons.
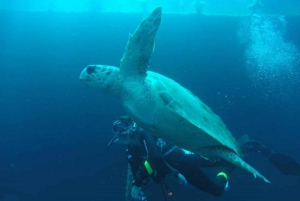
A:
x: 228, y: 155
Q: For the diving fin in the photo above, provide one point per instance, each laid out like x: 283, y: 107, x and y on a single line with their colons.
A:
x: 285, y: 164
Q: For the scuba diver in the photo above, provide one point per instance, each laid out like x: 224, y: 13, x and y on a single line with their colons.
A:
x: 143, y: 156
x: 150, y: 157
x: 155, y: 158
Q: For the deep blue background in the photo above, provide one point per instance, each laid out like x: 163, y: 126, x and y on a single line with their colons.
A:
x: 54, y: 130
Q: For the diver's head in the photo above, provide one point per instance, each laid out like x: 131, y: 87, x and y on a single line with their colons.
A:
x: 124, y: 128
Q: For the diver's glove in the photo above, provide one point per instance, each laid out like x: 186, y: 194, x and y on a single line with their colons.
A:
x: 137, y: 194
x: 182, y: 180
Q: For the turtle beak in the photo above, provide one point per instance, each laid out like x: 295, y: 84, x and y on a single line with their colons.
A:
x: 84, y: 76
x: 113, y: 140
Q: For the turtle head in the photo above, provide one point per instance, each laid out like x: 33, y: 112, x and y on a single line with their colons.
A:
x: 101, y: 77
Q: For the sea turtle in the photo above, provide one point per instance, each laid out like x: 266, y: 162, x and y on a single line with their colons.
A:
x: 159, y: 104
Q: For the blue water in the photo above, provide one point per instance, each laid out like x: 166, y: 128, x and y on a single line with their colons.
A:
x: 54, y: 130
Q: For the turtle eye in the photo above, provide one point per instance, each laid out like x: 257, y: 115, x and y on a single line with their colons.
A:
x: 90, y: 69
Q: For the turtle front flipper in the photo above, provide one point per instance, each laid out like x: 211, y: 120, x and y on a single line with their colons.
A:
x: 140, y: 46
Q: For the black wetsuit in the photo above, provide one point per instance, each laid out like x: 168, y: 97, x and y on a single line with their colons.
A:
x: 147, y: 151
x: 176, y: 161
x: 190, y: 166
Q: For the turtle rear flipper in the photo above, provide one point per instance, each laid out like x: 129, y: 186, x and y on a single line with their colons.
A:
x: 233, y: 158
